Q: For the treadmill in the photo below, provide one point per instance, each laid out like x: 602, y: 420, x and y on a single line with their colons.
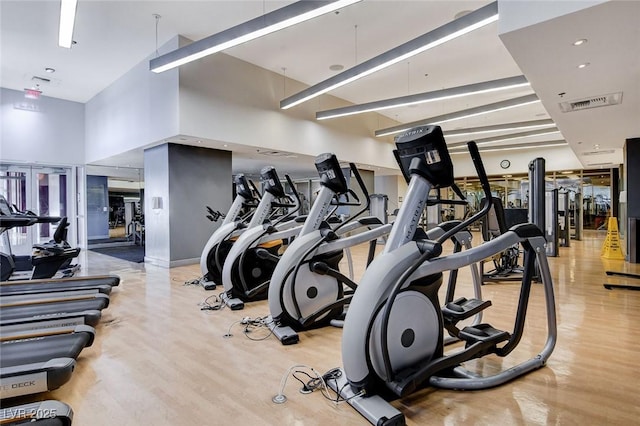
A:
x: 39, y: 364
x: 67, y: 312
x: 42, y: 413
x: 49, y: 296
x: 101, y: 284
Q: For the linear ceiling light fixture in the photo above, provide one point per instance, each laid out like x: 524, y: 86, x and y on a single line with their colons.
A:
x: 419, y: 98
x: 489, y: 141
x: 522, y: 125
x: 447, y: 32
x: 67, y: 21
x: 458, y: 115
x: 268, y: 23
x: 512, y: 147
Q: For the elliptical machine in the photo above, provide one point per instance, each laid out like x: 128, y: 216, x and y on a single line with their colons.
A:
x: 392, y: 339
x: 249, y: 265
x: 307, y: 287
x: 219, y: 244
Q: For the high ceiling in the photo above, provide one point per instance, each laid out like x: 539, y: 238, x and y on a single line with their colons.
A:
x: 113, y: 36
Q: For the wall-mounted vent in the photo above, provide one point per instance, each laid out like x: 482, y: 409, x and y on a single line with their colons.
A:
x: 600, y: 164
x: 278, y: 154
x: 40, y: 80
x: 598, y: 152
x: 591, y: 102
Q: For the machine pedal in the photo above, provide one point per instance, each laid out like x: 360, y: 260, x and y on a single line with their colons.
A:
x: 483, y: 333
x: 463, y: 308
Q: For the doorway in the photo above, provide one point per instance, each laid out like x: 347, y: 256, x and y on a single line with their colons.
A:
x: 46, y: 191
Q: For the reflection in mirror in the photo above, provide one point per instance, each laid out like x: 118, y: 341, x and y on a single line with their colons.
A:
x: 115, y: 206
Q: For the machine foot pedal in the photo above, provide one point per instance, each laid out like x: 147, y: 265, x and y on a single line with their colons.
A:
x: 463, y: 308
x: 483, y: 333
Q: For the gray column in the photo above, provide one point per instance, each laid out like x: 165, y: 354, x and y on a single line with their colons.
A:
x: 179, y: 181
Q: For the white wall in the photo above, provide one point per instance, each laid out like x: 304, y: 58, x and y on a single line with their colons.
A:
x: 516, y: 14
x: 138, y: 109
x: 556, y: 159
x: 53, y: 135
x: 225, y: 99
x: 388, y: 185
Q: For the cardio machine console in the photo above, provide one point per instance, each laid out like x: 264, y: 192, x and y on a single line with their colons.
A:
x: 272, y: 182
x: 242, y: 187
x: 423, y: 150
x: 330, y: 173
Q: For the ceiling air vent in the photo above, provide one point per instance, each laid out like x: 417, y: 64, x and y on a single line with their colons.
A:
x: 274, y: 153
x: 41, y: 80
x: 598, y: 152
x: 591, y: 102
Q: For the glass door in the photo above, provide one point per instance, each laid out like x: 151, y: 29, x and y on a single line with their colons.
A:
x: 43, y: 190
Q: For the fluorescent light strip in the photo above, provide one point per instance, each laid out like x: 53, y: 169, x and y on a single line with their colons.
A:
x: 67, y: 21
x: 500, y: 128
x: 458, y: 115
x: 420, y: 98
x: 279, y: 19
x: 515, y: 147
x: 470, y: 22
x: 529, y: 134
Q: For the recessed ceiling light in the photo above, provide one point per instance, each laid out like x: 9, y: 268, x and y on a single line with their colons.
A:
x: 225, y: 145
x: 336, y: 67
x: 596, y: 146
x: 49, y: 70
x: 580, y: 42
x: 586, y: 64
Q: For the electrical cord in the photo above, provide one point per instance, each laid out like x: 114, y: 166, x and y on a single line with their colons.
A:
x: 195, y: 281
x: 314, y: 382
x: 212, y: 303
x: 251, y: 325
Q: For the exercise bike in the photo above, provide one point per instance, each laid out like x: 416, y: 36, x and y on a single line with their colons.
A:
x: 234, y: 222
x: 250, y: 263
x: 393, y: 339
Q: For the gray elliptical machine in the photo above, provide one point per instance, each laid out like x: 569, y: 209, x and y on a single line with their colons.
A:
x: 250, y: 262
x: 307, y: 289
x: 215, y: 251
x: 393, y: 339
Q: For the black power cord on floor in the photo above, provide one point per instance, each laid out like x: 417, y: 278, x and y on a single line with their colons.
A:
x: 314, y: 382
x: 194, y: 282
x: 250, y: 325
x: 212, y: 303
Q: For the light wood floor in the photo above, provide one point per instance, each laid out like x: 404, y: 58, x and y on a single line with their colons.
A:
x: 159, y: 360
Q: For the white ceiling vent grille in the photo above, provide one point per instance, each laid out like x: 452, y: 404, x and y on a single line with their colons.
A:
x: 274, y: 153
x: 40, y: 80
x: 591, y: 102
x: 598, y: 152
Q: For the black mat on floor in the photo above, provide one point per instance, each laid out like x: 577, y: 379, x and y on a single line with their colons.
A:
x: 131, y: 253
x: 107, y: 240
